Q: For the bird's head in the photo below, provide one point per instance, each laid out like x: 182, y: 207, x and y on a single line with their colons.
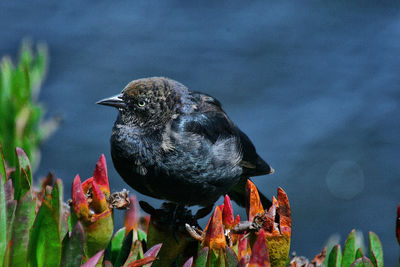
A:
x: 148, y: 102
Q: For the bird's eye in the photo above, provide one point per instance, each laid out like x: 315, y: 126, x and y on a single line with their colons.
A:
x: 141, y: 103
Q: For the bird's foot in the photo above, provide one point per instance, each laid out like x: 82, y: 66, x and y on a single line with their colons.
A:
x: 171, y: 218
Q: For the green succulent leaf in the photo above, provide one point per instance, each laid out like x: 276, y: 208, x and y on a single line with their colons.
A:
x: 335, y: 257
x: 72, y: 247
x: 115, y: 245
x: 45, y: 243
x: 19, y: 112
x: 202, y: 257
x: 57, y: 204
x: 359, y: 253
x: 11, y: 207
x: 349, y: 249
x: 125, y: 250
x: 375, y: 250
x: 24, y: 217
x: 3, y: 221
x: 142, y: 236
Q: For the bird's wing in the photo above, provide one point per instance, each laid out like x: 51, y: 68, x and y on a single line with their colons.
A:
x: 211, y: 122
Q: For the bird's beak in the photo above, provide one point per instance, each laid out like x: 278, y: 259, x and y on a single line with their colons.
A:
x: 114, y: 101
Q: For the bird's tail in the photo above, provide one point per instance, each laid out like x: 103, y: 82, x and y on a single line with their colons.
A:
x: 238, y: 194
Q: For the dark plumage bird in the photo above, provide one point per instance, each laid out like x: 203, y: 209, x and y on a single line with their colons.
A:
x: 178, y: 145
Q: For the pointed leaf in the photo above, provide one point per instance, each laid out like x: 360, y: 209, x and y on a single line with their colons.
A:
x: 153, y: 251
x: 100, y: 175
x: 45, y: 243
x: 349, y: 249
x: 72, y: 250
x: 227, y: 213
x: 99, y: 202
x: 142, y: 236
x: 254, y: 205
x: 375, y: 249
x: 79, y: 202
x: 94, y: 259
x: 335, y: 257
x: 116, y: 244
x: 359, y: 253
x: 214, y: 232
x: 259, y: 252
x: 362, y: 262
x: 188, y: 263
x: 285, y: 219
x: 125, y: 250
x: 202, y: 257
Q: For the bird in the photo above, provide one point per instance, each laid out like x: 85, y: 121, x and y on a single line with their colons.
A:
x: 171, y: 143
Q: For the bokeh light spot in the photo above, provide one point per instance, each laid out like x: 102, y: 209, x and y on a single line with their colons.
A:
x: 345, y: 179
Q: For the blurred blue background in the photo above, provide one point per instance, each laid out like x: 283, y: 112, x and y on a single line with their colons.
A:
x: 314, y: 84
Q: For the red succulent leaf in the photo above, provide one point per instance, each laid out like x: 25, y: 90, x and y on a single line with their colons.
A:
x: 79, y: 202
x: 99, y: 202
x: 100, y: 175
x: 227, y: 213
x: 132, y: 214
x: 254, y: 204
x: 285, y: 219
x: 259, y: 252
x: 398, y: 224
x: 215, y: 237
x: 141, y: 262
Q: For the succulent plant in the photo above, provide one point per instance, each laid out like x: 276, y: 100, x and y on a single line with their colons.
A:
x: 263, y: 240
x: 352, y: 255
x: 37, y: 228
x: 21, y: 123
